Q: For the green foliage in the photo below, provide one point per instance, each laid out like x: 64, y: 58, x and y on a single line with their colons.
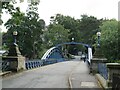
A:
x: 82, y: 30
x: 68, y: 23
x: 119, y: 39
x: 109, y: 39
x: 56, y: 34
x: 0, y: 40
x: 88, y: 27
x: 117, y: 61
x: 29, y: 29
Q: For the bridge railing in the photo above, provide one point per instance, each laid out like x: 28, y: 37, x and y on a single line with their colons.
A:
x: 52, y: 61
x: 38, y: 63
x: 49, y: 61
x: 29, y: 64
x: 4, y: 65
x: 102, y: 69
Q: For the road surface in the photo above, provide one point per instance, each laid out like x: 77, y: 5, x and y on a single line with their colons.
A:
x: 50, y: 76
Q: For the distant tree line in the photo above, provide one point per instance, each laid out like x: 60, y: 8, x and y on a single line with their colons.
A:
x: 34, y: 37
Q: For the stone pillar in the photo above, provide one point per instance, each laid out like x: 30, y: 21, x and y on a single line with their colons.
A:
x: 113, y: 68
x: 15, y: 59
x: 98, y: 57
x: 95, y: 62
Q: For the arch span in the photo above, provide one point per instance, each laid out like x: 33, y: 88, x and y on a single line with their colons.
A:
x: 89, y: 48
x: 77, y: 43
x: 54, y: 52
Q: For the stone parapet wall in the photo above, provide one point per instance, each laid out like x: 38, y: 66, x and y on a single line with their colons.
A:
x: 113, y: 80
x: 14, y: 58
x: 95, y: 62
x: 113, y: 68
x: 16, y: 63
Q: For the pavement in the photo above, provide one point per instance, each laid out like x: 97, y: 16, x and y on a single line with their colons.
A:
x: 80, y: 78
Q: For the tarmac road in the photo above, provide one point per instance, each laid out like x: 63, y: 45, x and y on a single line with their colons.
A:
x: 50, y: 76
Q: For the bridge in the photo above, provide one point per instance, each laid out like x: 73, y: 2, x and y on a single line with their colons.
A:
x: 53, y: 70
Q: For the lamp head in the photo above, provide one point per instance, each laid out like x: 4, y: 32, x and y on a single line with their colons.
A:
x: 98, y: 33
x: 15, y: 33
x: 72, y: 39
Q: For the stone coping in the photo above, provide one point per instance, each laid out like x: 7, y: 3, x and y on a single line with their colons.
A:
x: 99, y: 60
x: 101, y: 81
x: 11, y: 56
x: 4, y: 73
x: 113, y: 65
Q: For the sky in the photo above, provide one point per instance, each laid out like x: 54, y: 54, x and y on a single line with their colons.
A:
x: 74, y: 8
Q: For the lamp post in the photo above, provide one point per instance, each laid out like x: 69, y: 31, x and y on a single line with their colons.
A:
x: 14, y: 57
x: 98, y: 34
x: 98, y: 52
x: 98, y: 57
x: 15, y: 33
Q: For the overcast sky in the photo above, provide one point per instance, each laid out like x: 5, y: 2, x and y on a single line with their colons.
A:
x: 74, y: 8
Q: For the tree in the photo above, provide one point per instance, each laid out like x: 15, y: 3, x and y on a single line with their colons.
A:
x: 68, y: 23
x: 109, y: 39
x: 29, y: 29
x: 8, y: 4
x: 13, y: 24
x: 118, y: 39
x: 56, y: 34
x: 0, y: 40
x: 88, y: 27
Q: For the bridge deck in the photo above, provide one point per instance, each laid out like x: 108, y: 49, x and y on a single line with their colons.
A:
x: 53, y: 76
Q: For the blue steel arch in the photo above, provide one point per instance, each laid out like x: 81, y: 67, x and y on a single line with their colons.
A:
x: 80, y: 43
x: 53, y: 52
x: 68, y: 43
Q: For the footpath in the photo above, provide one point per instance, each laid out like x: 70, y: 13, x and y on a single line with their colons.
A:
x: 80, y: 78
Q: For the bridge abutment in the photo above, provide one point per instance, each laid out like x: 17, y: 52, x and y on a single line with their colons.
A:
x: 15, y: 61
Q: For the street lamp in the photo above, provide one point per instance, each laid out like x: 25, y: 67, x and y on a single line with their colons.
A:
x: 72, y: 39
x: 98, y: 34
x: 15, y: 33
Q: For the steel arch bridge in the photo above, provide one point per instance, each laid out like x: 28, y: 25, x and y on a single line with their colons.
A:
x: 55, y: 53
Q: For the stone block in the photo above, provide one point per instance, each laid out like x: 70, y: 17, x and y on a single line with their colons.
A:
x: 15, y: 59
x: 95, y: 62
x: 113, y: 68
x: 15, y: 63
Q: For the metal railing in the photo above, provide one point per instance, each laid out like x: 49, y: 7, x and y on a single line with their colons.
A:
x: 49, y: 61
x: 102, y: 69
x: 4, y: 65
x: 29, y: 64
